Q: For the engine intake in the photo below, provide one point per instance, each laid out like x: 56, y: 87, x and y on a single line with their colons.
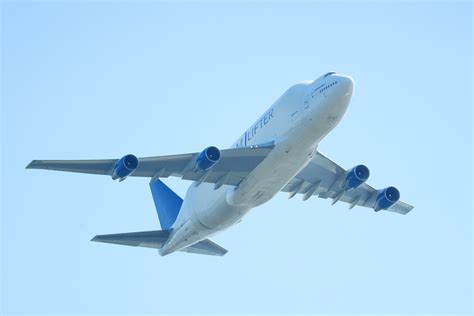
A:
x: 356, y: 176
x: 386, y: 198
x: 124, y: 167
x: 207, y: 158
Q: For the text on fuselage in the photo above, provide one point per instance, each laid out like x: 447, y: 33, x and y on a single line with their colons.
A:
x: 250, y: 134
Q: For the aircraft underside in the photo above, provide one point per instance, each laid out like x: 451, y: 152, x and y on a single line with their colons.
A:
x: 278, y: 153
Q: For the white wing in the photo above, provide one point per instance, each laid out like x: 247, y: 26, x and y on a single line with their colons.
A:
x: 325, y: 179
x: 234, y: 165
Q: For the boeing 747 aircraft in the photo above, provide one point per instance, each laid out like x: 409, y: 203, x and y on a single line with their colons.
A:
x: 279, y: 152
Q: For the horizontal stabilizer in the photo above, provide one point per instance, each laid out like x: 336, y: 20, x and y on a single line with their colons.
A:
x: 206, y: 247
x: 156, y: 239
x: 149, y: 239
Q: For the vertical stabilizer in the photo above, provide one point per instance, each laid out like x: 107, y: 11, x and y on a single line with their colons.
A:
x: 167, y: 203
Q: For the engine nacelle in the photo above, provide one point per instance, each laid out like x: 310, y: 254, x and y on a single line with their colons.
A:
x: 207, y: 158
x: 386, y: 198
x: 125, y: 167
x: 356, y: 176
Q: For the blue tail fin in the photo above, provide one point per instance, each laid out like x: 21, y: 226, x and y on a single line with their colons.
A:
x: 167, y: 203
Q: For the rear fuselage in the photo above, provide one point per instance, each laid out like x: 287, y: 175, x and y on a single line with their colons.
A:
x: 295, y: 123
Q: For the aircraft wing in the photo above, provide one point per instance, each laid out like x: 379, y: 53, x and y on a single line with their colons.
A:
x: 233, y: 166
x: 325, y: 178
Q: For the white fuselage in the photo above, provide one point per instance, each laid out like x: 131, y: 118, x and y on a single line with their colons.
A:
x: 296, y: 123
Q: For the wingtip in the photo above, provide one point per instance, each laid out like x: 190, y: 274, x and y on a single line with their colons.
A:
x: 31, y: 164
x: 411, y: 207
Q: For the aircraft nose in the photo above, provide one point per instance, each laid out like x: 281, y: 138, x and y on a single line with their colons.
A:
x: 346, y: 84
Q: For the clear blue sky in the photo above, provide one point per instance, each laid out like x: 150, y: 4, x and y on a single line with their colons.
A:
x: 99, y: 80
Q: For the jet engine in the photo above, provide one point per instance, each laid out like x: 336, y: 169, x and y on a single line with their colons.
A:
x: 124, y: 167
x: 386, y: 198
x: 356, y: 176
x: 207, y: 158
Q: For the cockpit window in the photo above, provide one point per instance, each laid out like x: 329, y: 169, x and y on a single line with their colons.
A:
x: 329, y: 73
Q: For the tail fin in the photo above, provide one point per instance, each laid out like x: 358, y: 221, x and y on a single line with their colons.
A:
x: 167, y: 203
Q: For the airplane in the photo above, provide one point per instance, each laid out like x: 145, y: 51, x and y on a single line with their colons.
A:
x: 278, y: 153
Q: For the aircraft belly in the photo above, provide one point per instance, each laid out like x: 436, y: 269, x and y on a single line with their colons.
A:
x: 282, y: 164
x: 212, y: 210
